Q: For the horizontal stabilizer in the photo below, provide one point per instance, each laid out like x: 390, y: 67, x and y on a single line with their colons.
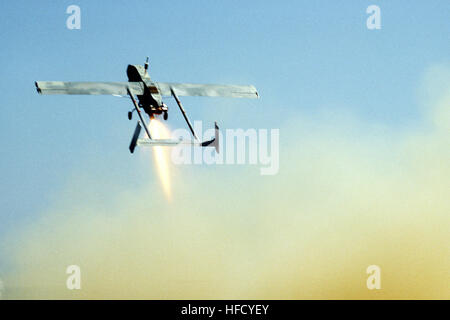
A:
x: 166, y: 142
x: 175, y: 142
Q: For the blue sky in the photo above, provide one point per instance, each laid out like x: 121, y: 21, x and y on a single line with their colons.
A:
x: 301, y: 55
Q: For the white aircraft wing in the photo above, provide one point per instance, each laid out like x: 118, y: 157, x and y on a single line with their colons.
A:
x: 106, y: 88
x: 209, y: 90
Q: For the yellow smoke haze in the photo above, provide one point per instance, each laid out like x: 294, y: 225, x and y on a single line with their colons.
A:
x: 348, y: 195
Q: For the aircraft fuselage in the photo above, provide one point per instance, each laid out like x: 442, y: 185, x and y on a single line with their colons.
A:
x: 151, y: 100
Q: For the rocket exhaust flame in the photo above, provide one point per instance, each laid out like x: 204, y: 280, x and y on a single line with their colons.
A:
x: 160, y: 154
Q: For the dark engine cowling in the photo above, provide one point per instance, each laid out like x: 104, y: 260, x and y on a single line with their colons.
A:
x: 136, y: 73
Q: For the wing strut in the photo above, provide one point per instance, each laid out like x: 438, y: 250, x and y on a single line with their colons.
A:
x: 139, y: 113
x: 183, y: 112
